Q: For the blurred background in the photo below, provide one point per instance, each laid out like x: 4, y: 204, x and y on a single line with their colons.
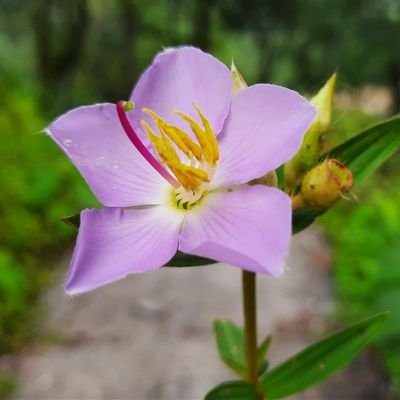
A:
x: 57, y: 54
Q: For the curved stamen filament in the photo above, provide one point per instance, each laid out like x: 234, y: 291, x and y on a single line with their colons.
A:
x: 134, y: 138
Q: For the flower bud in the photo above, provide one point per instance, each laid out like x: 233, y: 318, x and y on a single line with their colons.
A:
x: 238, y: 82
x: 312, y: 145
x: 323, y: 100
x: 324, y: 185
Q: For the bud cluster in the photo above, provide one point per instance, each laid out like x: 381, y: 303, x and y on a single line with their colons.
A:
x: 311, y: 183
x: 314, y: 184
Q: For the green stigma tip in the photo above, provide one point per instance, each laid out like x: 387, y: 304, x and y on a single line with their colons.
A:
x: 129, y: 106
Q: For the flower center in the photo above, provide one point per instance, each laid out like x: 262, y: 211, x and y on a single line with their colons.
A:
x: 192, y: 163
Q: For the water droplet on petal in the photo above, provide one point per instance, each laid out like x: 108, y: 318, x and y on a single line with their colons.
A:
x: 99, y: 160
x: 114, y: 187
x: 115, y: 166
x: 67, y: 142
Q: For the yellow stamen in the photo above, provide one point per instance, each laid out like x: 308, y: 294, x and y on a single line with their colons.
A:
x: 173, y: 131
x: 211, y: 139
x: 172, y: 156
x: 201, y: 136
x: 158, y: 120
x: 195, y: 172
x: 198, y: 131
x: 157, y: 142
x: 191, y: 176
x: 187, y: 182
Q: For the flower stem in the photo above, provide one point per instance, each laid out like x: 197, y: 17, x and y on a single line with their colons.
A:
x: 250, y: 323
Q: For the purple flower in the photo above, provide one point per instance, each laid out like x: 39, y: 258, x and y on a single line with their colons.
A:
x: 182, y: 186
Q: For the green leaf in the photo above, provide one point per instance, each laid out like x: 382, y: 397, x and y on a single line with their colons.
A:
x: 232, y: 390
x: 304, y: 217
x: 231, y: 345
x: 187, y: 260
x: 262, y: 354
x: 362, y: 154
x: 369, y: 149
x: 179, y: 260
x: 320, y: 360
x: 72, y: 220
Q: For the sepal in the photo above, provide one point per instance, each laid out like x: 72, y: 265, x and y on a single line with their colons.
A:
x: 313, y: 141
x: 238, y: 82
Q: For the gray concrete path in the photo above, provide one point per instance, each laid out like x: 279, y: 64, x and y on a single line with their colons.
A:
x: 149, y: 337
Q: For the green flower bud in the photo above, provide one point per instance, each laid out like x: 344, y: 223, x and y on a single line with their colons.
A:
x: 323, y: 100
x: 238, y: 82
x: 311, y: 148
x: 324, y: 185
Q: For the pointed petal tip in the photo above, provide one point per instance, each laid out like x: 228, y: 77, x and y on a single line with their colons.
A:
x: 71, y: 289
x: 73, y: 292
x: 267, y: 271
x: 46, y: 131
x: 278, y: 271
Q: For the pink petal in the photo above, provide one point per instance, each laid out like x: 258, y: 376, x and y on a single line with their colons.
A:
x: 118, y: 175
x: 114, y: 242
x: 249, y: 228
x: 264, y: 129
x: 177, y: 78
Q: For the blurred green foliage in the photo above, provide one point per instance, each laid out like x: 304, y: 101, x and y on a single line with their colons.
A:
x: 365, y: 234
x: 8, y: 386
x: 94, y: 50
x: 38, y: 185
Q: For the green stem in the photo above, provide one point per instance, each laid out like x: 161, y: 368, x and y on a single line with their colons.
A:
x: 250, y: 324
